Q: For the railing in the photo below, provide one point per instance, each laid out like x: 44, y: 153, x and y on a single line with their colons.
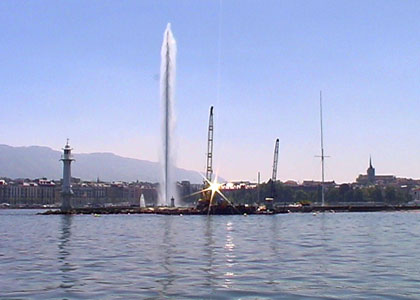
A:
x: 67, y: 156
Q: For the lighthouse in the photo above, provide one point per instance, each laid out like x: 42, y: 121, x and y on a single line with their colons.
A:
x: 66, y: 191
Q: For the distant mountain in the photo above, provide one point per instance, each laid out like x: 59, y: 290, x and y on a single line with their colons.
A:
x: 36, y: 162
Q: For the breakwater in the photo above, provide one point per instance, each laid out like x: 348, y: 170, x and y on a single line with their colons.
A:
x: 232, y: 210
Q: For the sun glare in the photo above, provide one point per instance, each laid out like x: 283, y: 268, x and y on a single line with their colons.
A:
x: 215, y: 186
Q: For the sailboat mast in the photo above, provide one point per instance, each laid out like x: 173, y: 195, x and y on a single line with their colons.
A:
x: 322, y: 150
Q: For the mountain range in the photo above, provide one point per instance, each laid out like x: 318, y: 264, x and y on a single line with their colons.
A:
x: 37, y: 162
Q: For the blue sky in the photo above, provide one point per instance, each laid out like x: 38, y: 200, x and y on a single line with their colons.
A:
x: 88, y: 70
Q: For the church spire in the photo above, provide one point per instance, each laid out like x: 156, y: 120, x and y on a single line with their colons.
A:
x: 371, y: 172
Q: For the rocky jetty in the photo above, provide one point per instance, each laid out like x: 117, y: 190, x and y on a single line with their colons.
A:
x: 227, y: 210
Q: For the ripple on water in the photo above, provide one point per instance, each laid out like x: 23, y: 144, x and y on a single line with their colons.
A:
x: 294, y: 256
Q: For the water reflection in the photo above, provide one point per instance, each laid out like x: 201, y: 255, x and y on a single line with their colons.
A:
x: 209, y: 254
x: 274, y: 236
x: 274, y: 257
x: 168, y: 249
x: 323, y: 254
x: 230, y: 255
x: 67, y: 280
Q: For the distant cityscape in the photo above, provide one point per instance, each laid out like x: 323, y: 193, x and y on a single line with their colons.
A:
x: 47, y: 193
x: 369, y: 187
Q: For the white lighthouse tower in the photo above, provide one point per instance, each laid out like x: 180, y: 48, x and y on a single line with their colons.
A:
x: 66, y: 191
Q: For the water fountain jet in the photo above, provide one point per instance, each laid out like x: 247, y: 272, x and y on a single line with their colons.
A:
x: 167, y: 93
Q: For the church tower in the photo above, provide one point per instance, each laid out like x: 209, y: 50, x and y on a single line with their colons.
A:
x: 371, y: 172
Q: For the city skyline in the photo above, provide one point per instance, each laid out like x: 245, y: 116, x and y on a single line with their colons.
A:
x: 90, y: 72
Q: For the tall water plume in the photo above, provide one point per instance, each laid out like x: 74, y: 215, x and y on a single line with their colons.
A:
x: 167, y: 93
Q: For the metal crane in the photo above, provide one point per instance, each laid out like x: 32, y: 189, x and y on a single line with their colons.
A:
x: 209, y: 169
x: 206, y: 199
x: 270, y: 200
x: 275, y: 161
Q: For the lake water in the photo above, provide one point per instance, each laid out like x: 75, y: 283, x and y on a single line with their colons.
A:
x: 293, y: 256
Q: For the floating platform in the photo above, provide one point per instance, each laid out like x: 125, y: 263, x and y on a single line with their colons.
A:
x: 229, y: 210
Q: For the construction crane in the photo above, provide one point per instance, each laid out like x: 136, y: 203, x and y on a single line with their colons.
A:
x: 205, y: 201
x: 209, y: 168
x: 275, y: 161
x: 269, y: 200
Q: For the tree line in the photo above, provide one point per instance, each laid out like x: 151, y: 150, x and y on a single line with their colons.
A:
x: 342, y: 193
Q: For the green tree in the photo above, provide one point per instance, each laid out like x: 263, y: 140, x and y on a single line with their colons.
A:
x: 332, y: 195
x: 390, y: 194
x: 358, y: 195
x: 301, y: 196
x: 377, y: 194
x: 343, y: 189
x: 349, y: 196
x: 313, y: 197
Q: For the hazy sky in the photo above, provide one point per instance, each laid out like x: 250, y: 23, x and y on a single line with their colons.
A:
x: 88, y: 70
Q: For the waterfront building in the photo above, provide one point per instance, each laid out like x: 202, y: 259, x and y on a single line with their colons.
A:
x: 291, y: 183
x: 99, y: 194
x: 372, y: 179
x: 314, y: 183
x: 26, y: 193
x: 416, y: 194
x: 47, y: 193
x: 238, y: 185
x: 3, y: 189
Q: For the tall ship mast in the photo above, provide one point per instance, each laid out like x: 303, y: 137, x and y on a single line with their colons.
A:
x: 322, y: 152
